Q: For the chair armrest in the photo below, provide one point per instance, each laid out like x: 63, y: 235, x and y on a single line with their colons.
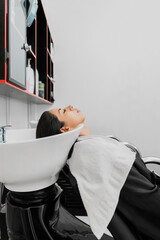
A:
x: 153, y: 164
x: 155, y: 160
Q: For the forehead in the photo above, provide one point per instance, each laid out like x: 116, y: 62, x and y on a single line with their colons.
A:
x: 55, y: 111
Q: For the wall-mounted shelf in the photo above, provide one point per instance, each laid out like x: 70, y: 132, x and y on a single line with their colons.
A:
x: 13, y: 58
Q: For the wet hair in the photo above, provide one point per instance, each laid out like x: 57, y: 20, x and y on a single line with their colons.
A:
x: 48, y: 125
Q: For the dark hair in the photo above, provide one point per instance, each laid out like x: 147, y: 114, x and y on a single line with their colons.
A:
x: 48, y: 125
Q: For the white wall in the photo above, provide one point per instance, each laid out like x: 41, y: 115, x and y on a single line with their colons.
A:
x: 107, y: 63
x: 19, y: 113
x: 14, y: 112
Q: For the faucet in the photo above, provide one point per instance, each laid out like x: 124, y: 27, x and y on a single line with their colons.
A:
x: 3, y: 133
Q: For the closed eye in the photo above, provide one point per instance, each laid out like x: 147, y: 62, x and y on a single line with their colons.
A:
x: 64, y: 110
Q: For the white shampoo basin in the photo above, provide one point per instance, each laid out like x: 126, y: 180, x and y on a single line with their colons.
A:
x: 29, y: 164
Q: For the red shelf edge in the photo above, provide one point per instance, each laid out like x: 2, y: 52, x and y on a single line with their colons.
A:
x: 25, y: 91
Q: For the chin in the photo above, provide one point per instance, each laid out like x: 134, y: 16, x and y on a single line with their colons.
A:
x: 83, y: 118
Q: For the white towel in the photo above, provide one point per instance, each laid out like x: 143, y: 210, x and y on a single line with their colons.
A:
x: 100, y: 166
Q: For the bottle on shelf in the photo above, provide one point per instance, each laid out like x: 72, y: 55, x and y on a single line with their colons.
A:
x: 33, y: 7
x: 41, y: 89
x: 37, y: 83
x: 29, y: 77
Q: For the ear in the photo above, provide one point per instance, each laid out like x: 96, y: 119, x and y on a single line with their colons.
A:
x: 65, y: 129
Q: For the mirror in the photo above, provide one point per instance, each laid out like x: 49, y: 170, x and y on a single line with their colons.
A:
x: 17, y: 39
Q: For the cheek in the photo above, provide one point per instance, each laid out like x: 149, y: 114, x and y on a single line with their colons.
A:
x: 75, y: 119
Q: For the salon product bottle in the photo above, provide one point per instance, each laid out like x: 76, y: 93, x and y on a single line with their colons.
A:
x: 41, y: 89
x: 29, y: 77
x: 31, y: 12
x: 37, y: 82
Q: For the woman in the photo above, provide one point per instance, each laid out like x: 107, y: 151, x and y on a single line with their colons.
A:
x: 137, y: 216
x: 60, y: 120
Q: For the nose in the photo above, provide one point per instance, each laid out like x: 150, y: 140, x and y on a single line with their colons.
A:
x: 70, y: 107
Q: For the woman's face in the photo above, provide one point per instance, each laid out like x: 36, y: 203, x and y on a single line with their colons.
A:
x: 71, y: 116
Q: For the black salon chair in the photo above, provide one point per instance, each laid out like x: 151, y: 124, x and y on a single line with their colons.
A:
x: 72, y: 199
x: 3, y: 227
x: 44, y: 214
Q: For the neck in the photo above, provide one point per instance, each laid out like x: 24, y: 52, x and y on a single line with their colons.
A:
x: 85, y: 131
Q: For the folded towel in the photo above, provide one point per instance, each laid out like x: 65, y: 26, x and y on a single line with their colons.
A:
x: 100, y: 166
